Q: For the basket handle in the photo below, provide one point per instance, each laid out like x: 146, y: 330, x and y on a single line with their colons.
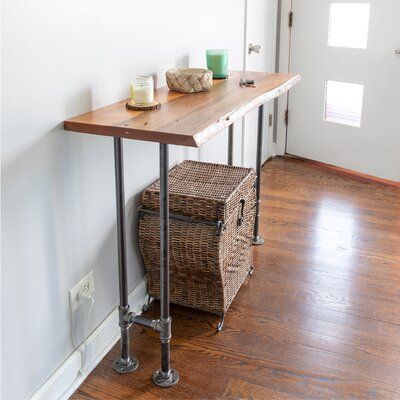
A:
x: 241, y: 218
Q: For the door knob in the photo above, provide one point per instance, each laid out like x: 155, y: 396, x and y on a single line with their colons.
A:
x: 397, y: 52
x: 254, y: 48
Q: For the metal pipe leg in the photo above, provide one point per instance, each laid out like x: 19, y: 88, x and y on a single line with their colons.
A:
x: 230, y: 145
x: 164, y: 377
x: 257, y: 239
x: 125, y: 363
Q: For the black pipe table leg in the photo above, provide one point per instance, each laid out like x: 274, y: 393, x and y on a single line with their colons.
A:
x: 257, y: 239
x: 230, y: 145
x: 125, y: 363
x: 165, y: 376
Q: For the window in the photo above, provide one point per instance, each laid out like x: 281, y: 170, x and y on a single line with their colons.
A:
x: 343, y: 103
x: 348, y: 25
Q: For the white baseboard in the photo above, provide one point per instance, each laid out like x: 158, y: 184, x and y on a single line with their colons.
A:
x: 66, y: 379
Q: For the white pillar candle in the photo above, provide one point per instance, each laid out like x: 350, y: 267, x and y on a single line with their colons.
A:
x: 142, y: 90
x: 143, y: 95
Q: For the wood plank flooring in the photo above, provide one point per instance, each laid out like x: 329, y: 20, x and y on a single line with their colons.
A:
x: 319, y: 319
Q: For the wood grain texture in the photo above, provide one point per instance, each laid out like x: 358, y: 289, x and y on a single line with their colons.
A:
x: 319, y: 319
x: 186, y: 119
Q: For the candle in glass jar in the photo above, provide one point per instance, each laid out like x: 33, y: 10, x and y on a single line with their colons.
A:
x: 217, y: 62
x: 142, y: 90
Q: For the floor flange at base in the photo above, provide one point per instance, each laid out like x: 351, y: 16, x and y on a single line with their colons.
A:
x: 162, y: 382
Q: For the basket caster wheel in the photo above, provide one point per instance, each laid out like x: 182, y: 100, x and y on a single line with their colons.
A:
x: 251, y: 271
x: 221, y: 323
x: 146, y: 305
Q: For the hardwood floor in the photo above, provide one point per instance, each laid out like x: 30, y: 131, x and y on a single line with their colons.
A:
x: 319, y: 319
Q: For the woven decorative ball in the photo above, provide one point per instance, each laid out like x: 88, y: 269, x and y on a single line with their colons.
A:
x: 189, y: 80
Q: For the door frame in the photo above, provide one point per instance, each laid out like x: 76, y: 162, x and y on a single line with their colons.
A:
x: 283, y: 43
x: 275, y: 51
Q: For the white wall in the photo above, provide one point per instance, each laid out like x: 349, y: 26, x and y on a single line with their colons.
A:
x: 62, y: 58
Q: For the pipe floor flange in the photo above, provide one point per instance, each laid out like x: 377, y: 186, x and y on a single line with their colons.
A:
x: 123, y: 367
x: 162, y: 382
x: 258, y: 240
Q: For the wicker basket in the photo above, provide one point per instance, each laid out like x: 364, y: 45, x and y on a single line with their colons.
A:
x: 212, y: 210
x: 189, y: 80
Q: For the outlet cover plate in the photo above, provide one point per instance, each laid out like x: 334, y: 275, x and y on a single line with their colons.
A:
x: 86, y: 286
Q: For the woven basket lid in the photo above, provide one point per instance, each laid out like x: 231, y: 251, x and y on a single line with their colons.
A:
x: 205, y: 190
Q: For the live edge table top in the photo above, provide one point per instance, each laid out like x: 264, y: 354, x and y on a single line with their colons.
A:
x: 186, y: 119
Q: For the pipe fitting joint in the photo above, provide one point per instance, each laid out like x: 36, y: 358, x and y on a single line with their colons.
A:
x: 165, y: 329
x: 124, y: 316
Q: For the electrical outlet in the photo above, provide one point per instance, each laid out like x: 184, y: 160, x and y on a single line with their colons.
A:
x: 85, y: 286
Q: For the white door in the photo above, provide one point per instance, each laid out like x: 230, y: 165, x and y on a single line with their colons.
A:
x: 346, y: 111
x: 261, y: 28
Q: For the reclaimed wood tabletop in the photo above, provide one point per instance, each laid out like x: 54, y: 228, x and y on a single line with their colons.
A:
x: 186, y: 119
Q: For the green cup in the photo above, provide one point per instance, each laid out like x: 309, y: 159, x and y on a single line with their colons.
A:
x: 217, y: 62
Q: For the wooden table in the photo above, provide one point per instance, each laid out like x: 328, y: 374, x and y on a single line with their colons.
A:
x: 184, y: 120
